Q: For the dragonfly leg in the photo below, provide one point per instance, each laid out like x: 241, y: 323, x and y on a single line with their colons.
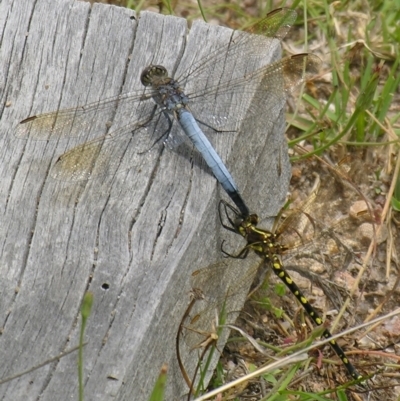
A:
x: 223, y: 209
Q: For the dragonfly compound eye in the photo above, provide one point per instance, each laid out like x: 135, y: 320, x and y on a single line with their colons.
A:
x: 153, y: 73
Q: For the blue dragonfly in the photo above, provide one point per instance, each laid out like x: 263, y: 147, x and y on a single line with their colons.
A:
x: 155, y: 109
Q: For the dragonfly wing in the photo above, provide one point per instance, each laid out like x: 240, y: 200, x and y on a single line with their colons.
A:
x: 78, y: 121
x: 120, y: 150
x: 297, y: 69
x: 230, y: 66
x: 277, y: 80
x: 244, y: 45
x: 244, y: 80
x: 262, y: 92
x: 219, y: 300
x: 275, y: 24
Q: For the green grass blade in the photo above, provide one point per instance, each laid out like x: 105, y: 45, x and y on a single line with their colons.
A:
x: 159, y: 388
x: 85, y: 313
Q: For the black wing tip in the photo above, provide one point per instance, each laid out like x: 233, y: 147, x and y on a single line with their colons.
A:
x: 27, y: 120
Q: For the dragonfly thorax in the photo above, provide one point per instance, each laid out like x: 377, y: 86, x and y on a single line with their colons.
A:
x: 265, y: 243
x: 170, y: 96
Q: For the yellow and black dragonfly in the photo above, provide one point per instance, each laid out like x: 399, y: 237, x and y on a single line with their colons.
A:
x: 267, y: 245
x: 301, y: 227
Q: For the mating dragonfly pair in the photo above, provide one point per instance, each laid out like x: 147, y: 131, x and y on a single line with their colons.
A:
x: 164, y: 102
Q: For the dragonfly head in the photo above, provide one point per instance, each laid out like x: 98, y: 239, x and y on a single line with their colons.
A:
x: 154, y: 75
